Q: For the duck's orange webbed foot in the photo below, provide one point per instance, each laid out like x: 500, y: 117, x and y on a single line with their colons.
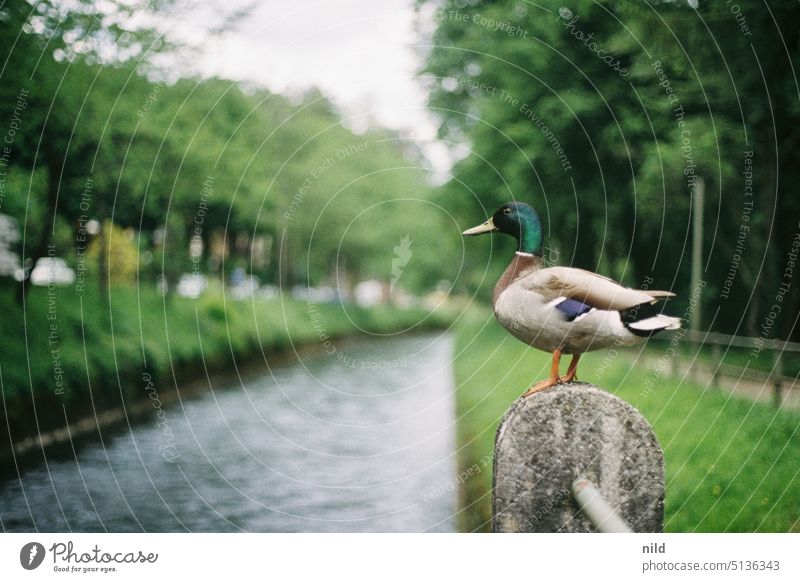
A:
x: 539, y: 386
x: 555, y: 379
x: 551, y: 381
x: 572, y: 371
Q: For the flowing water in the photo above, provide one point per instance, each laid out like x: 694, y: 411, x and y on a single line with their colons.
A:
x: 359, y: 440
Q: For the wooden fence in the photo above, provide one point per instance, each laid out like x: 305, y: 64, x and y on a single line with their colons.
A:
x: 773, y: 348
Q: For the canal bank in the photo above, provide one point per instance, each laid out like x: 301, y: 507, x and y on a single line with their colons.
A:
x: 120, y: 359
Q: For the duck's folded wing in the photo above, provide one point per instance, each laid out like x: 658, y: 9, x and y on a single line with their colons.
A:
x: 588, y: 288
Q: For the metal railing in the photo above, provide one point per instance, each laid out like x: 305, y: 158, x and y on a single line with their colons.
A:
x: 596, y: 508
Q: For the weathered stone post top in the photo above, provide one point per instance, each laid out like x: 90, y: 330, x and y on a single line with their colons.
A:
x: 569, y: 434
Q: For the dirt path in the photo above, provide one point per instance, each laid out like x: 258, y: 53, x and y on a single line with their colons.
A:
x: 752, y: 384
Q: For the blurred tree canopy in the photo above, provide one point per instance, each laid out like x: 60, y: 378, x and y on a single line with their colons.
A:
x: 209, y: 174
x: 604, y: 115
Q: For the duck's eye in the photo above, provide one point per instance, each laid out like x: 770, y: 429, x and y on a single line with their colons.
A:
x: 506, y: 210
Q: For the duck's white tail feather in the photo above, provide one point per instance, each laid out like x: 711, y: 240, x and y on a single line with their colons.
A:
x: 660, y: 294
x: 655, y: 323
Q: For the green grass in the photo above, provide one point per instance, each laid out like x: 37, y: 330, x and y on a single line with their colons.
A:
x: 731, y: 464
x: 112, y: 344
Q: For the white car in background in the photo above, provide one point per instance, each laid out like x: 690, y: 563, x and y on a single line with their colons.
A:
x: 370, y: 293
x: 52, y: 271
x: 192, y: 285
x: 247, y: 286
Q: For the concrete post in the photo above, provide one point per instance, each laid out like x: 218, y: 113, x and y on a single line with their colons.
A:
x: 548, y: 440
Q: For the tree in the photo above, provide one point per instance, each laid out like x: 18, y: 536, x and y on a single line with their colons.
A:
x: 603, y: 115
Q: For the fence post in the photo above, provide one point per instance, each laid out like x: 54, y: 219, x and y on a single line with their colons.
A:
x: 716, y: 363
x: 553, y: 441
x: 777, y: 378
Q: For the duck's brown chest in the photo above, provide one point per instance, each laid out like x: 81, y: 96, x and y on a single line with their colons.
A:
x: 521, y: 265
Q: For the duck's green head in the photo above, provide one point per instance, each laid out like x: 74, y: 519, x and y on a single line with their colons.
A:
x: 518, y: 220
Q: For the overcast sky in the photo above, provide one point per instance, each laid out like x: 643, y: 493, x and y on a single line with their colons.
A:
x: 359, y: 52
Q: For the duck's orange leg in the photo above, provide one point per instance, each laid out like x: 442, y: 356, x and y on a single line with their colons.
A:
x: 552, y: 380
x: 572, y: 371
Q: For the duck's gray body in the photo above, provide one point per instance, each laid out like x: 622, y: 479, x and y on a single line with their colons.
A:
x: 571, y: 310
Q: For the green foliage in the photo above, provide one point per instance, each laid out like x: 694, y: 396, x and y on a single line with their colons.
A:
x: 114, y: 245
x: 184, y: 175
x: 602, y: 114
x: 101, y: 347
x: 285, y: 188
x: 728, y: 459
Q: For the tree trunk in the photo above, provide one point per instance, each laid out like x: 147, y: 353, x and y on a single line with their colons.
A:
x: 54, y: 171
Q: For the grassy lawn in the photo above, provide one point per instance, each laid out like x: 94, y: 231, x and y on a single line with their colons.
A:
x: 731, y: 464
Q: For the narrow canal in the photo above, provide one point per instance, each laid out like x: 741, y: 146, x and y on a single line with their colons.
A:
x: 358, y: 441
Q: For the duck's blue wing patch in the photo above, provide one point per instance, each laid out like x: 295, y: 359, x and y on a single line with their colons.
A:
x: 572, y: 308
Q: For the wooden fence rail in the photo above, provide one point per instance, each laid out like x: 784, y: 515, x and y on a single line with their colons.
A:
x: 717, y: 369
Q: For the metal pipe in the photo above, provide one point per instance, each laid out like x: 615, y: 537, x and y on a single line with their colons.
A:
x: 596, y: 508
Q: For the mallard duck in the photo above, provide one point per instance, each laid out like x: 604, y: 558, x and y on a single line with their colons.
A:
x: 563, y: 310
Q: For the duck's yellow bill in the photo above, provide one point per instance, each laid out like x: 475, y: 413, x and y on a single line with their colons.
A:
x: 487, y: 226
